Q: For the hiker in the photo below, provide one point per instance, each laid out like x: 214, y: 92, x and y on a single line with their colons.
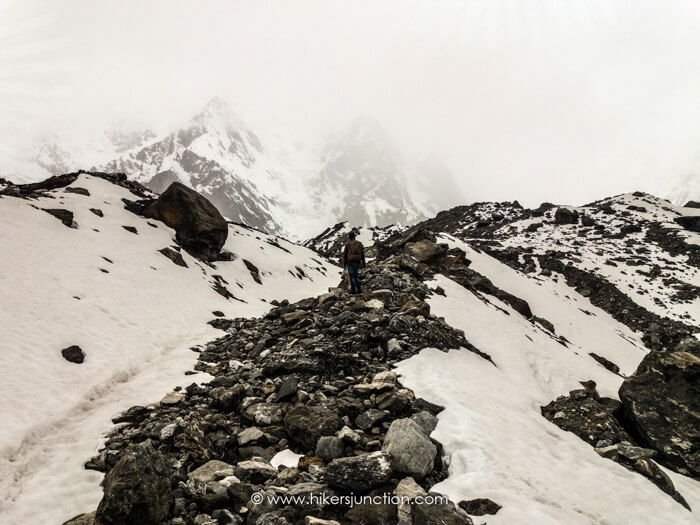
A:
x: 353, y: 257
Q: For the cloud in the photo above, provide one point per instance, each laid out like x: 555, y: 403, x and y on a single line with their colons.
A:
x: 561, y: 100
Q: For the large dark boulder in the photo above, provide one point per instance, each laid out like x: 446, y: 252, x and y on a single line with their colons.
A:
x: 137, y: 489
x: 199, y: 227
x: 662, y: 403
x: 689, y: 222
x: 565, y: 216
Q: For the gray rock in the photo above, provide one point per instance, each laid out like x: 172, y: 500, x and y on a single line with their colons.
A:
x: 255, y: 470
x: 249, y: 435
x: 426, y: 421
x: 371, y: 418
x: 137, y: 489
x: 410, y: 450
x: 359, y: 472
x: 213, y: 470
x: 330, y: 447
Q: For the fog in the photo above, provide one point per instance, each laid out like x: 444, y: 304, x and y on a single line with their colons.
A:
x: 558, y: 100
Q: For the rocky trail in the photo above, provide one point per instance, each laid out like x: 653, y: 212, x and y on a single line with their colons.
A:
x: 314, y: 377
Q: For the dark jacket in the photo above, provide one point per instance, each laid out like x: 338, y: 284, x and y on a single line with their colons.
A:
x: 353, y: 252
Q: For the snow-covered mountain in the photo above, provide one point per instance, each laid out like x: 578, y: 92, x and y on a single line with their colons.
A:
x: 456, y: 371
x: 55, y: 155
x: 278, y: 186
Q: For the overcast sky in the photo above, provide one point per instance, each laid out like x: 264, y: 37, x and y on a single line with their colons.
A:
x: 561, y: 100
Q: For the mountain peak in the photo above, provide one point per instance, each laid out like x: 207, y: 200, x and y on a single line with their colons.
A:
x: 218, y: 110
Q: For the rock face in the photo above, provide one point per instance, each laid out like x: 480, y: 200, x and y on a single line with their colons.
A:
x: 199, y: 227
x: 126, y: 502
x: 662, y: 401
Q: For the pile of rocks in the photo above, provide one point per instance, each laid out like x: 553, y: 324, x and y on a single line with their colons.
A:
x: 312, y: 379
x: 601, y: 423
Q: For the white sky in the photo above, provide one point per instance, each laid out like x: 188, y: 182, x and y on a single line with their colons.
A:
x: 561, y: 100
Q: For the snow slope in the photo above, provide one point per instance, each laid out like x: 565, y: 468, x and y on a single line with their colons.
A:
x: 631, y: 240
x: 500, y: 445
x: 136, y: 325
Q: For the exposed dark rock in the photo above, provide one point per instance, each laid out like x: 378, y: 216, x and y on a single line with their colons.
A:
x: 305, y: 424
x: 689, y: 222
x: 254, y: 271
x: 199, y: 227
x: 591, y: 420
x: 361, y: 473
x: 65, y: 216
x: 74, y: 354
x: 480, y: 506
x: 137, y: 489
x: 131, y: 229
x: 565, y: 216
x: 662, y: 402
x: 443, y: 514
x: 77, y: 190
x: 174, y: 256
x: 97, y: 212
x: 606, y: 363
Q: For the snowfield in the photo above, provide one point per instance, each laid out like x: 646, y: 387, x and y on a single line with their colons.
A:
x: 499, y: 444
x: 134, y: 313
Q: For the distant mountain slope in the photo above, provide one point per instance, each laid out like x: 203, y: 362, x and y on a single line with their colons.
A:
x: 631, y: 241
x: 278, y: 186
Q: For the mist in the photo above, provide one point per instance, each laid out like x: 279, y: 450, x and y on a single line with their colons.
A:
x: 562, y: 100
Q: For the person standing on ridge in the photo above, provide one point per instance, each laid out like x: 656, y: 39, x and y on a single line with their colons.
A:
x: 353, y: 257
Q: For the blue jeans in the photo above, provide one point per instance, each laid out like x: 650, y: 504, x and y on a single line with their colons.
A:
x: 354, y: 274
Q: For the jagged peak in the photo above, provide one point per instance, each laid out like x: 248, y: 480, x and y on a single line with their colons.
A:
x: 217, y: 110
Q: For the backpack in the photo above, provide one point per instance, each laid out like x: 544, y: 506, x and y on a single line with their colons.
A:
x: 354, y: 251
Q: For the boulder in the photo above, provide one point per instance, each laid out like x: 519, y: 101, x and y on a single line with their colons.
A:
x: 199, y: 227
x: 565, y: 216
x: 479, y: 506
x: 662, y: 402
x: 359, y: 472
x: 305, y: 424
x: 137, y: 489
x: 74, y: 354
x: 410, y: 449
